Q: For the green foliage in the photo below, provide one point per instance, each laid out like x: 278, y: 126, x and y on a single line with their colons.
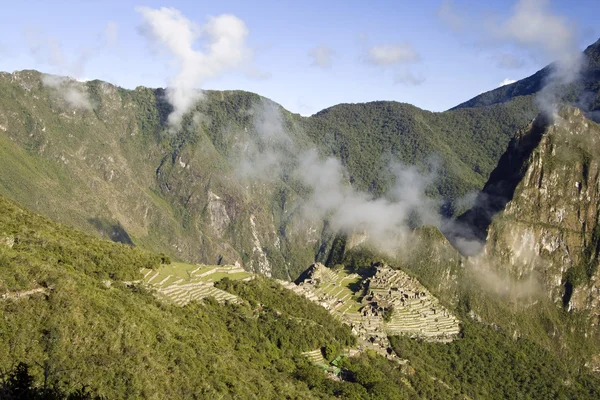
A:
x: 40, y: 246
x: 461, y: 147
x: 19, y: 384
x: 488, y: 364
x: 587, y: 86
x: 298, y: 332
x: 330, y: 352
x: 387, y: 313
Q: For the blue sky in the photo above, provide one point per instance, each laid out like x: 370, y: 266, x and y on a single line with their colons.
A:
x: 433, y: 54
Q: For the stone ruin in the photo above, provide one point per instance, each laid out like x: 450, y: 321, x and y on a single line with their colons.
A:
x: 410, y: 308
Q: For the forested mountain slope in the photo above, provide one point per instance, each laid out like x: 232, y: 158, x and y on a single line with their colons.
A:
x: 585, y: 92
x: 113, y: 166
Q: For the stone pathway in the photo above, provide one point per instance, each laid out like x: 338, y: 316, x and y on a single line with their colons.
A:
x: 22, y: 294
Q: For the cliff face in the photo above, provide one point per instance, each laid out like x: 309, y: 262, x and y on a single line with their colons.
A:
x: 543, y: 221
x: 100, y: 158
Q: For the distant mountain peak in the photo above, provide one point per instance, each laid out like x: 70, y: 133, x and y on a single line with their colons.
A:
x: 581, y: 93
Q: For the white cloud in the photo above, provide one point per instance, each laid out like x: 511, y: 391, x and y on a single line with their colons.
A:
x: 408, y: 78
x: 532, y: 25
x: 224, y: 48
x: 69, y: 90
x: 448, y: 14
x: 270, y: 152
x: 322, y: 56
x: 506, y: 81
x: 392, y: 54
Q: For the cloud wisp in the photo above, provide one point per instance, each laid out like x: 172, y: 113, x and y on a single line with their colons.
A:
x: 508, y: 61
x: 321, y: 56
x: 384, y: 55
x: 448, y: 14
x: 385, y: 222
x: 397, y: 58
x: 532, y: 28
x: 506, y: 81
x: 270, y: 153
x: 223, y: 48
x: 47, y: 50
x: 69, y: 90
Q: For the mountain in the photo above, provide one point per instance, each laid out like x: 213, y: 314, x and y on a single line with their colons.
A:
x: 113, y: 166
x: 585, y: 92
x: 549, y: 222
x: 515, y: 278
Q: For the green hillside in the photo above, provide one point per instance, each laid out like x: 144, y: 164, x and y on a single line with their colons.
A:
x: 118, y: 171
x: 73, y: 323
x: 85, y: 327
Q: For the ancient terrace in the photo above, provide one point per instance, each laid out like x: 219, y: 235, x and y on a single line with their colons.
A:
x: 388, y: 303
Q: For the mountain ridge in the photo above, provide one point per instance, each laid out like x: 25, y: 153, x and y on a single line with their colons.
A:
x: 587, y: 83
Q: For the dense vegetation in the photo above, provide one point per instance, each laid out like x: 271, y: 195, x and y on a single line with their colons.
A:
x: 120, y: 172
x: 486, y: 363
x: 89, y: 329
x: 459, y: 147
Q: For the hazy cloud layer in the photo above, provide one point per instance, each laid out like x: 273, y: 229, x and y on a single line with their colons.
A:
x: 253, y: 72
x: 223, y: 48
x: 408, y: 78
x: 48, y: 50
x: 531, y: 28
x: 111, y: 33
x: 392, y: 54
x: 385, y: 221
x: 44, y: 49
x: 396, y: 58
x: 321, y: 56
x: 66, y: 88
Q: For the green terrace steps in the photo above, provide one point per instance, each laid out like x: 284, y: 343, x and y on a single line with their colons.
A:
x: 181, y: 283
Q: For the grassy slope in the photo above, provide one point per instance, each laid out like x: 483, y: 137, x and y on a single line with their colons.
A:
x: 122, y: 343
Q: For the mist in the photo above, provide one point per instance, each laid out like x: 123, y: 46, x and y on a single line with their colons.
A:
x: 223, y: 48
x: 271, y: 153
x: 48, y: 50
x: 532, y: 26
x: 71, y: 91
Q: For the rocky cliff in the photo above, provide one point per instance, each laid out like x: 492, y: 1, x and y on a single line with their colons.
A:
x: 539, y: 211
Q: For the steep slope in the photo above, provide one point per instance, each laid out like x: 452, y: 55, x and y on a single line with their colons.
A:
x: 117, y: 170
x: 586, y: 91
x: 68, y: 315
x: 549, y: 226
x: 113, y: 167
